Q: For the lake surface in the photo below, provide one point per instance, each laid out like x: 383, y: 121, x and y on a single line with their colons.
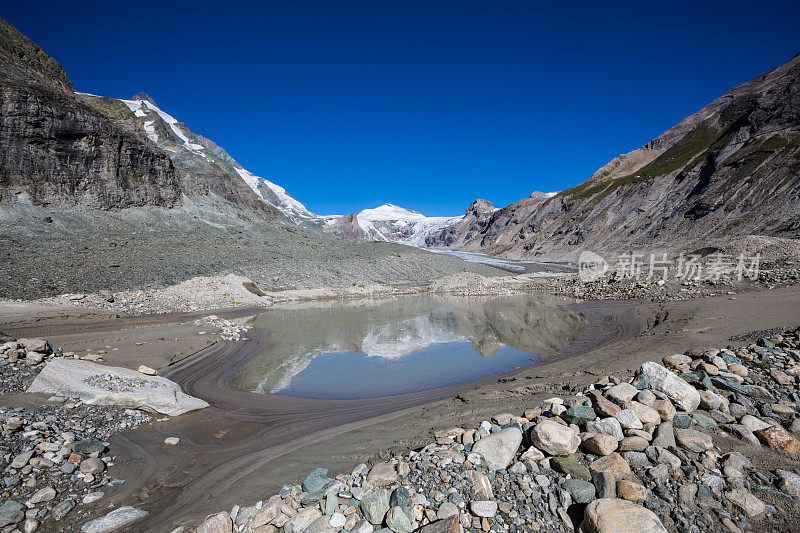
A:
x: 368, y: 349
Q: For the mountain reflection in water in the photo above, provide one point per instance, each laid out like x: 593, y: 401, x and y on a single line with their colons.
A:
x: 367, y: 349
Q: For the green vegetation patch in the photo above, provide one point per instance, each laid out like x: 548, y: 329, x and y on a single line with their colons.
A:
x: 682, y: 152
x: 111, y: 108
x: 751, y: 157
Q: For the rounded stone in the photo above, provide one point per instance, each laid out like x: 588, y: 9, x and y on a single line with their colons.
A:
x: 612, y: 515
x: 580, y: 490
x: 92, y: 465
x: 554, y: 439
x: 483, y: 508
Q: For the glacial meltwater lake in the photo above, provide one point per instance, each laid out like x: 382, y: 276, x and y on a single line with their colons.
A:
x: 374, y: 348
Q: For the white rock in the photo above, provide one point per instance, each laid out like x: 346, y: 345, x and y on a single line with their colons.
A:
x: 532, y: 454
x: 606, y: 426
x: 499, y: 448
x: 89, y: 382
x: 92, y: 497
x: 682, y: 394
x: 172, y: 441
x: 146, y: 370
x: 337, y: 520
x: 304, y: 518
x: 554, y: 439
x: 484, y: 508
x: 753, y: 423
x: 114, y: 520
x: 363, y: 526
x: 628, y: 420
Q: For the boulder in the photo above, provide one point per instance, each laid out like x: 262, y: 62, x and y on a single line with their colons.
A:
x: 92, y: 465
x: 581, y: 491
x: 778, y: 439
x: 116, y: 519
x: 375, y: 505
x: 664, y: 435
x: 499, y: 448
x: 600, y: 444
x: 694, y: 440
x: 621, y: 393
x: 568, y: 465
x: 710, y: 400
x: 97, y: 384
x: 665, y: 409
x: 633, y: 444
x: 682, y: 394
x: 579, y: 414
x: 483, y: 508
x: 645, y: 414
x: 382, y: 475
x: 612, y: 515
x: 602, y: 405
x: 316, y: 480
x: 613, y: 464
x: 11, y: 512
x: 35, y: 345
x: 628, y: 420
x: 753, y: 423
x: 146, y: 370
x: 606, y: 426
x: 399, y: 520
x: 631, y: 491
x: 219, y: 523
x: 303, y: 519
x: 604, y: 484
x: 746, y: 502
x: 789, y: 482
x: 554, y: 438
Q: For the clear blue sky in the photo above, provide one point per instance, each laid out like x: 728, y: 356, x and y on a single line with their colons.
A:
x: 428, y: 104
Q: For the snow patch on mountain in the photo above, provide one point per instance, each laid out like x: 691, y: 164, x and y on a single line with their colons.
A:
x: 277, y: 196
x: 140, y: 109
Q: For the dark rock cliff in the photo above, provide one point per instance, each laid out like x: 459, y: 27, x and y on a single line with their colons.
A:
x: 59, y: 151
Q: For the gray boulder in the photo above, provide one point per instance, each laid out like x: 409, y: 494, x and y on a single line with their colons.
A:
x: 114, y: 520
x: 108, y: 385
x: 612, y: 515
x: 682, y: 394
x: 499, y: 448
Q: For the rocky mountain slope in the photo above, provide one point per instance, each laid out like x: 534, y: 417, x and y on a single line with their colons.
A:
x: 387, y: 223
x: 118, y: 194
x: 730, y: 170
x: 205, y: 166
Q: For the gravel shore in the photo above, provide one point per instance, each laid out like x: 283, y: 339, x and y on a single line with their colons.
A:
x: 651, y: 452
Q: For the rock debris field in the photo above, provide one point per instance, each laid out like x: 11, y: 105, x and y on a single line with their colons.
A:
x: 658, y: 451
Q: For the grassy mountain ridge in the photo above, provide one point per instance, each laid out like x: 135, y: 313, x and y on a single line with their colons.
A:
x: 731, y: 169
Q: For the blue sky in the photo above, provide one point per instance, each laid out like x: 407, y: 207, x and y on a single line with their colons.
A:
x: 427, y: 105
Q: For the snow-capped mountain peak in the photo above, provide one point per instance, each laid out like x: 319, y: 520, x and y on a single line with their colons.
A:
x: 390, y: 223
